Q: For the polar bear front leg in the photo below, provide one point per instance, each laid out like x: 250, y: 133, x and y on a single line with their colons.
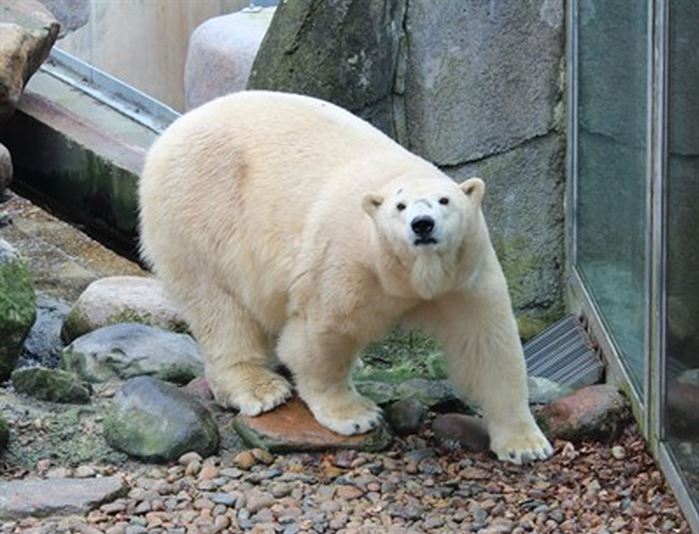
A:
x: 485, y: 360
x: 322, y: 366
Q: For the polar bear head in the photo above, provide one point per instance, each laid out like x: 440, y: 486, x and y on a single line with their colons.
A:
x: 425, y: 222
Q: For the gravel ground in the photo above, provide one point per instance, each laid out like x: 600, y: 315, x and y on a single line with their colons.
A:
x: 417, y: 486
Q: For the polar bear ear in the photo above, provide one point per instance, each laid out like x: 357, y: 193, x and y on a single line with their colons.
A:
x: 474, y: 188
x: 371, y: 202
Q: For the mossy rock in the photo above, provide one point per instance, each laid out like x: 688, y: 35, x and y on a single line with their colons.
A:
x: 154, y: 421
x: 51, y: 385
x: 4, y: 433
x: 17, y: 307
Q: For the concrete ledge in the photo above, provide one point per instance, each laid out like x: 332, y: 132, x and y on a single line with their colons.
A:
x: 80, y: 158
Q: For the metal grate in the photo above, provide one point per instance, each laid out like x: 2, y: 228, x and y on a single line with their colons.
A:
x: 565, y: 354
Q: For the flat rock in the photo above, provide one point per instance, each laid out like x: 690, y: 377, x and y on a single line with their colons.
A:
x: 41, y: 498
x: 154, y: 421
x: 127, y: 350
x: 592, y: 412
x: 292, y: 427
x: 51, y: 385
x: 465, y: 431
x: 17, y: 307
x: 27, y: 33
x: 220, y: 54
x: 122, y: 299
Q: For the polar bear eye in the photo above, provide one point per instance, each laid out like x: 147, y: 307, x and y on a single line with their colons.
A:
x: 444, y: 201
x: 400, y: 206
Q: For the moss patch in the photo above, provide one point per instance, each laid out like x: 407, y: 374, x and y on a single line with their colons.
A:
x: 51, y: 385
x: 4, y: 433
x: 400, y: 356
x: 17, y: 308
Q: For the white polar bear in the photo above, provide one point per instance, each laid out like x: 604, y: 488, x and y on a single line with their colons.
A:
x: 278, y: 218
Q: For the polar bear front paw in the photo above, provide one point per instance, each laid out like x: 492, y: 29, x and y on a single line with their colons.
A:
x: 252, y: 389
x: 520, y: 445
x: 347, y: 415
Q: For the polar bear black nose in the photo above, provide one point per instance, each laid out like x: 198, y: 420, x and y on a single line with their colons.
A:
x: 422, y: 225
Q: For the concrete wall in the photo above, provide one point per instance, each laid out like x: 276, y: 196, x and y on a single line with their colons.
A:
x: 144, y: 42
x: 475, y: 87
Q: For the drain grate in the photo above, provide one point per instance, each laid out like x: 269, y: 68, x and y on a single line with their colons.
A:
x: 565, y: 354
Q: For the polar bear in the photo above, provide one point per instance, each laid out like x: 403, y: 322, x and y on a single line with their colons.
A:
x: 280, y: 221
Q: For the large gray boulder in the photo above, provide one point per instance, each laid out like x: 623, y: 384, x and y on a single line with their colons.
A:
x: 154, y: 421
x: 482, y: 77
x: 17, y: 307
x: 220, y: 54
x: 475, y: 87
x: 27, y: 33
x: 132, y: 349
x: 71, y: 14
x: 122, y: 299
x: 343, y: 51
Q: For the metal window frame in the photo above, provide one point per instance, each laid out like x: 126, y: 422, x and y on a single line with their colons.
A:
x: 649, y: 409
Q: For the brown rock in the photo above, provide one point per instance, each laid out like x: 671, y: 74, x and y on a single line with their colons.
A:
x: 244, y: 460
x: 596, y: 412
x: 467, y: 431
x: 292, y: 427
x: 27, y: 33
x: 199, y: 387
x: 348, y: 493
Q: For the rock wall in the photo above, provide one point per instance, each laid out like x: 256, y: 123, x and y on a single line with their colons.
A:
x: 475, y: 87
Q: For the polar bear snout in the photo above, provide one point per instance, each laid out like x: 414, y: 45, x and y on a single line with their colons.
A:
x: 422, y: 225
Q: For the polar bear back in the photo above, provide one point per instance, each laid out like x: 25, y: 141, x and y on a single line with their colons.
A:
x: 228, y: 189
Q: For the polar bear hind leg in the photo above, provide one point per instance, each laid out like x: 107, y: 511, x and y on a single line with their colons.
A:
x: 322, y: 364
x: 235, y: 347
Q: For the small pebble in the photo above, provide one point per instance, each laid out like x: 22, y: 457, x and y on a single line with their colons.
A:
x: 263, y: 456
x: 245, y: 460
x: 618, y: 452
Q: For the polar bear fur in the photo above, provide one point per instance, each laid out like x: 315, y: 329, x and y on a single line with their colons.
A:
x: 278, y: 219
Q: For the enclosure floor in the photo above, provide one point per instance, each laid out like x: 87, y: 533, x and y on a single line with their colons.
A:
x: 581, y: 489
x: 416, y: 486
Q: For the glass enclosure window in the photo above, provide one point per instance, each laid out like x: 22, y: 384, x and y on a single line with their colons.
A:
x: 682, y: 230
x: 612, y: 168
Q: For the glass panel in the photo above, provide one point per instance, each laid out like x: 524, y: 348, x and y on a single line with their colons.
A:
x: 682, y: 363
x: 612, y: 178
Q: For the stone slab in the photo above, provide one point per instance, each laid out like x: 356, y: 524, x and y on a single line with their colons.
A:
x: 292, y: 427
x: 40, y: 498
